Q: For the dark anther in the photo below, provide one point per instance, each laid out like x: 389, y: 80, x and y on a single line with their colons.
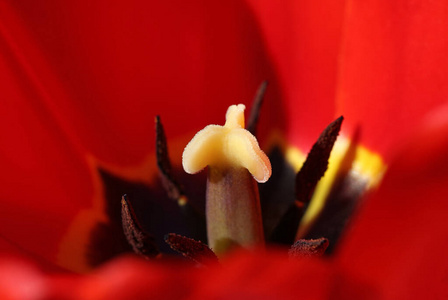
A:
x: 192, y: 249
x: 309, y: 248
x: 256, y: 106
x: 142, y: 243
x: 172, y: 188
x: 343, y: 200
x: 316, y: 163
x: 307, y: 178
x: 194, y: 217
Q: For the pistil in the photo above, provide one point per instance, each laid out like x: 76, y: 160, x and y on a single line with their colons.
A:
x: 235, y: 159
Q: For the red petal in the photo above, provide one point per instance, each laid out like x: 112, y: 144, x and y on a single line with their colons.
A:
x: 393, y: 67
x: 109, y: 69
x: 303, y: 41
x: 87, y: 78
x: 398, y: 241
x: 20, y: 280
x: 243, y: 276
x: 38, y: 157
x: 136, y: 279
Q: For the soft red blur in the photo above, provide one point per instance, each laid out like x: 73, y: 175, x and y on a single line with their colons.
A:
x: 82, y: 80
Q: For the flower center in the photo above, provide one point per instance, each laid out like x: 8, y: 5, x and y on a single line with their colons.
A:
x: 235, y: 217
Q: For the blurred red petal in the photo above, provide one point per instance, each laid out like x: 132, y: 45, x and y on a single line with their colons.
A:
x: 269, y: 275
x: 38, y: 157
x: 303, y: 41
x: 399, y: 239
x: 131, y: 278
x: 19, y: 280
x: 116, y: 68
x: 243, y: 275
x: 82, y: 80
x: 393, y: 67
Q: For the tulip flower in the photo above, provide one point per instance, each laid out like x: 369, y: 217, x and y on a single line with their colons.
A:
x: 82, y: 81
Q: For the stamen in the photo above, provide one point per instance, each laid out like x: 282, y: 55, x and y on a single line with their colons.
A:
x: 313, y: 169
x: 192, y: 249
x: 142, y: 243
x: 256, y: 107
x: 309, y: 248
x: 193, y: 216
x: 316, y: 163
x: 171, y: 186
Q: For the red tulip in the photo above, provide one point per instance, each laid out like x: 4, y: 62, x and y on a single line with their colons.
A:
x: 82, y: 81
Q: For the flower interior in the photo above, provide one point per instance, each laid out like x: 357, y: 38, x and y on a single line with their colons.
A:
x: 298, y: 207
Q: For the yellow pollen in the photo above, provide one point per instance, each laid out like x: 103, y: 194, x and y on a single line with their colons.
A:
x: 182, y: 201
